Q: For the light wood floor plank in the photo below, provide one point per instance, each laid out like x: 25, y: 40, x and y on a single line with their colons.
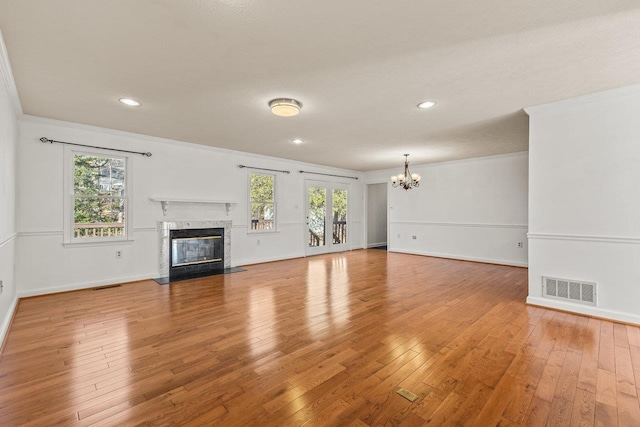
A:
x: 318, y: 341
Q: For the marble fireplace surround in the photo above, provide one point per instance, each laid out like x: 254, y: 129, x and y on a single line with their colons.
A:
x: 164, y: 228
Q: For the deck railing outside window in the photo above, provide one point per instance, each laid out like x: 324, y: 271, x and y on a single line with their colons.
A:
x: 111, y: 229
x: 262, y: 224
x: 339, y: 235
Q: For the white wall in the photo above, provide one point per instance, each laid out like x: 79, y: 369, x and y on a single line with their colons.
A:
x: 376, y: 214
x: 176, y: 170
x: 584, y: 203
x: 8, y: 141
x: 472, y: 209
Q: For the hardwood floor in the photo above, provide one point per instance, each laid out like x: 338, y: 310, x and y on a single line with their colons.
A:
x: 326, y: 340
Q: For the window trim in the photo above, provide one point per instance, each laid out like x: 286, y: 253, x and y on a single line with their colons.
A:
x: 249, y: 202
x: 69, y: 197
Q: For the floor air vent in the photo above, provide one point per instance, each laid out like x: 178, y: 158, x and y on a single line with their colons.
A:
x: 99, y: 288
x: 569, y: 290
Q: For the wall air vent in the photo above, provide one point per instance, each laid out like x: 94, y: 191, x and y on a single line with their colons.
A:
x: 569, y: 290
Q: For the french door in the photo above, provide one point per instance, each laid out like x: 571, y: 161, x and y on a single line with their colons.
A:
x: 326, y: 217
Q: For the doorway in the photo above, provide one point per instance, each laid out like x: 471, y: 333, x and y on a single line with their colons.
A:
x: 326, y: 217
x: 377, y: 215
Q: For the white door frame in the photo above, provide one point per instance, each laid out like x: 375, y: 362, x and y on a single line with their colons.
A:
x: 366, y: 216
x: 329, y: 246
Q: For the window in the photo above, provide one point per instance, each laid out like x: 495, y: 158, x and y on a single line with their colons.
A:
x: 98, y: 204
x: 262, y: 202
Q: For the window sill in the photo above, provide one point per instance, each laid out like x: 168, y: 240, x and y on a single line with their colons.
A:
x: 96, y: 243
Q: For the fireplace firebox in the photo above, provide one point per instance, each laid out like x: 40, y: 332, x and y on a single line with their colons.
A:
x: 195, y: 252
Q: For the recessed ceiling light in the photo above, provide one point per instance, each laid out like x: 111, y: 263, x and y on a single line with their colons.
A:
x: 285, y: 107
x: 130, y: 102
x: 426, y: 104
x: 297, y: 141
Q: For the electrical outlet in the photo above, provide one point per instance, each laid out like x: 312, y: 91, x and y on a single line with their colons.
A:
x: 414, y: 237
x: 520, y: 244
x: 118, y: 253
x: 1, y: 286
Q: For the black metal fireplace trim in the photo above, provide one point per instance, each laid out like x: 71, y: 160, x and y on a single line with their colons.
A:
x: 167, y: 280
x: 195, y: 270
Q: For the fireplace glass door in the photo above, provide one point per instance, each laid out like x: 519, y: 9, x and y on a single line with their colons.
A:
x: 195, y: 252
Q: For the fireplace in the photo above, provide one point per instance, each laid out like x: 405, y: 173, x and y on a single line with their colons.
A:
x: 195, y: 252
x: 192, y: 248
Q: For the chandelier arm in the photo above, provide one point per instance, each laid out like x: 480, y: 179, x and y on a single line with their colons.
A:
x: 406, y: 181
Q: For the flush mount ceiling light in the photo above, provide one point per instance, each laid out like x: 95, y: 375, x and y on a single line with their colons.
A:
x: 285, y: 107
x: 130, y: 102
x: 297, y: 141
x: 407, y: 180
x: 426, y: 104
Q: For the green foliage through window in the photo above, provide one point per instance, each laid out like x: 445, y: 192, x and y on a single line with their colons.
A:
x: 337, y: 227
x: 262, y: 199
x: 99, y: 196
x: 317, y: 207
x: 339, y: 205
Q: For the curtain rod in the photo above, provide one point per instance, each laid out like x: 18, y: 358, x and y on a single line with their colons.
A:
x: 51, y: 141
x: 263, y: 169
x: 329, y: 174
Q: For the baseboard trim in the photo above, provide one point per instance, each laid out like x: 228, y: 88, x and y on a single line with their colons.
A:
x: 86, y: 285
x: 597, y: 313
x: 373, y: 245
x: 265, y: 260
x: 7, y: 322
x: 462, y: 258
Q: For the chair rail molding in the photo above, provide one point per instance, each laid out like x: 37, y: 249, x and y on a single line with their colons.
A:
x: 584, y: 238
x: 462, y: 224
x: 6, y: 239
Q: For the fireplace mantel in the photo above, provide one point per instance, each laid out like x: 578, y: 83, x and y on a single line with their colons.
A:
x: 164, y: 201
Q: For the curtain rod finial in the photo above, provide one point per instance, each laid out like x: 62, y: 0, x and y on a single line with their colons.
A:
x: 43, y: 139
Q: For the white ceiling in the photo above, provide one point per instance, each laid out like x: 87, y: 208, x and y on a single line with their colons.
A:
x: 205, y: 70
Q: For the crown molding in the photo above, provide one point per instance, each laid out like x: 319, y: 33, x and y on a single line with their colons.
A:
x: 373, y: 175
x: 578, y: 101
x: 138, y: 137
x: 7, y: 77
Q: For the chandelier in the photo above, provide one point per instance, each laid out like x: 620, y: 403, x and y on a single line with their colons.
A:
x: 408, y: 179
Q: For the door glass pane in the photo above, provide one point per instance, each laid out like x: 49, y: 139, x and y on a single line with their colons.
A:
x: 317, y: 209
x: 339, y: 203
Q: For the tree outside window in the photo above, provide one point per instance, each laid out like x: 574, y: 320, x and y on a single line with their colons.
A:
x: 339, y: 205
x: 262, y: 200
x: 99, y: 196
